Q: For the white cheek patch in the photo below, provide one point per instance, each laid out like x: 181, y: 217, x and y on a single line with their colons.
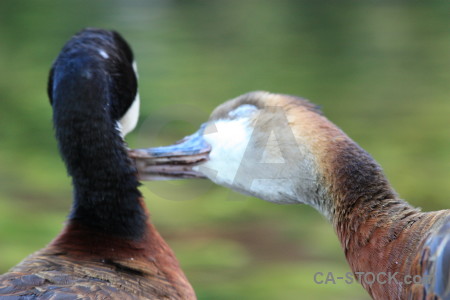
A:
x: 130, y: 119
x: 268, y: 162
x: 228, y: 166
x: 228, y: 140
x: 135, y: 69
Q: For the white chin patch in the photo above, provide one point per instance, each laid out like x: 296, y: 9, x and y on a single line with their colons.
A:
x: 130, y: 119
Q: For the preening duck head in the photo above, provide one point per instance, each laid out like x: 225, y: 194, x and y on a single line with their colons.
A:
x: 262, y: 144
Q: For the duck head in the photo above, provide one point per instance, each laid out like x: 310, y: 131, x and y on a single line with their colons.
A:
x: 95, y: 56
x: 261, y: 144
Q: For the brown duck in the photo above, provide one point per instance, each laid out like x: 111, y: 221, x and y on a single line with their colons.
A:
x: 282, y: 149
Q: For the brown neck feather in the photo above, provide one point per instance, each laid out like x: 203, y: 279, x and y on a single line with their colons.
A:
x: 80, y: 241
x: 150, y: 257
x: 374, y: 226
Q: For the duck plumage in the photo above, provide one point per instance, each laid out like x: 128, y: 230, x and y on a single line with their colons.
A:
x: 108, y: 248
x: 312, y: 161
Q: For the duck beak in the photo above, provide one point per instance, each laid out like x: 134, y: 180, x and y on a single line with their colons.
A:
x: 172, y: 162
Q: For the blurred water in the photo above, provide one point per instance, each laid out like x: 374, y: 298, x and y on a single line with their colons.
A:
x: 379, y: 69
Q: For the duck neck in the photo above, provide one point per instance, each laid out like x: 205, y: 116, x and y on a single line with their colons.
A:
x: 373, y: 225
x: 360, y: 194
x: 106, y: 195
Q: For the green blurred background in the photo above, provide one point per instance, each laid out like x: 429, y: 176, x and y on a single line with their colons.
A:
x: 379, y: 69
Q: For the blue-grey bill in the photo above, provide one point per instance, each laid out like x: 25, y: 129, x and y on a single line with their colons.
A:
x: 172, y: 162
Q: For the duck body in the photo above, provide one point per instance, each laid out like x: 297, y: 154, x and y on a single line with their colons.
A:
x: 108, y: 248
x: 55, y: 273
x: 282, y: 149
